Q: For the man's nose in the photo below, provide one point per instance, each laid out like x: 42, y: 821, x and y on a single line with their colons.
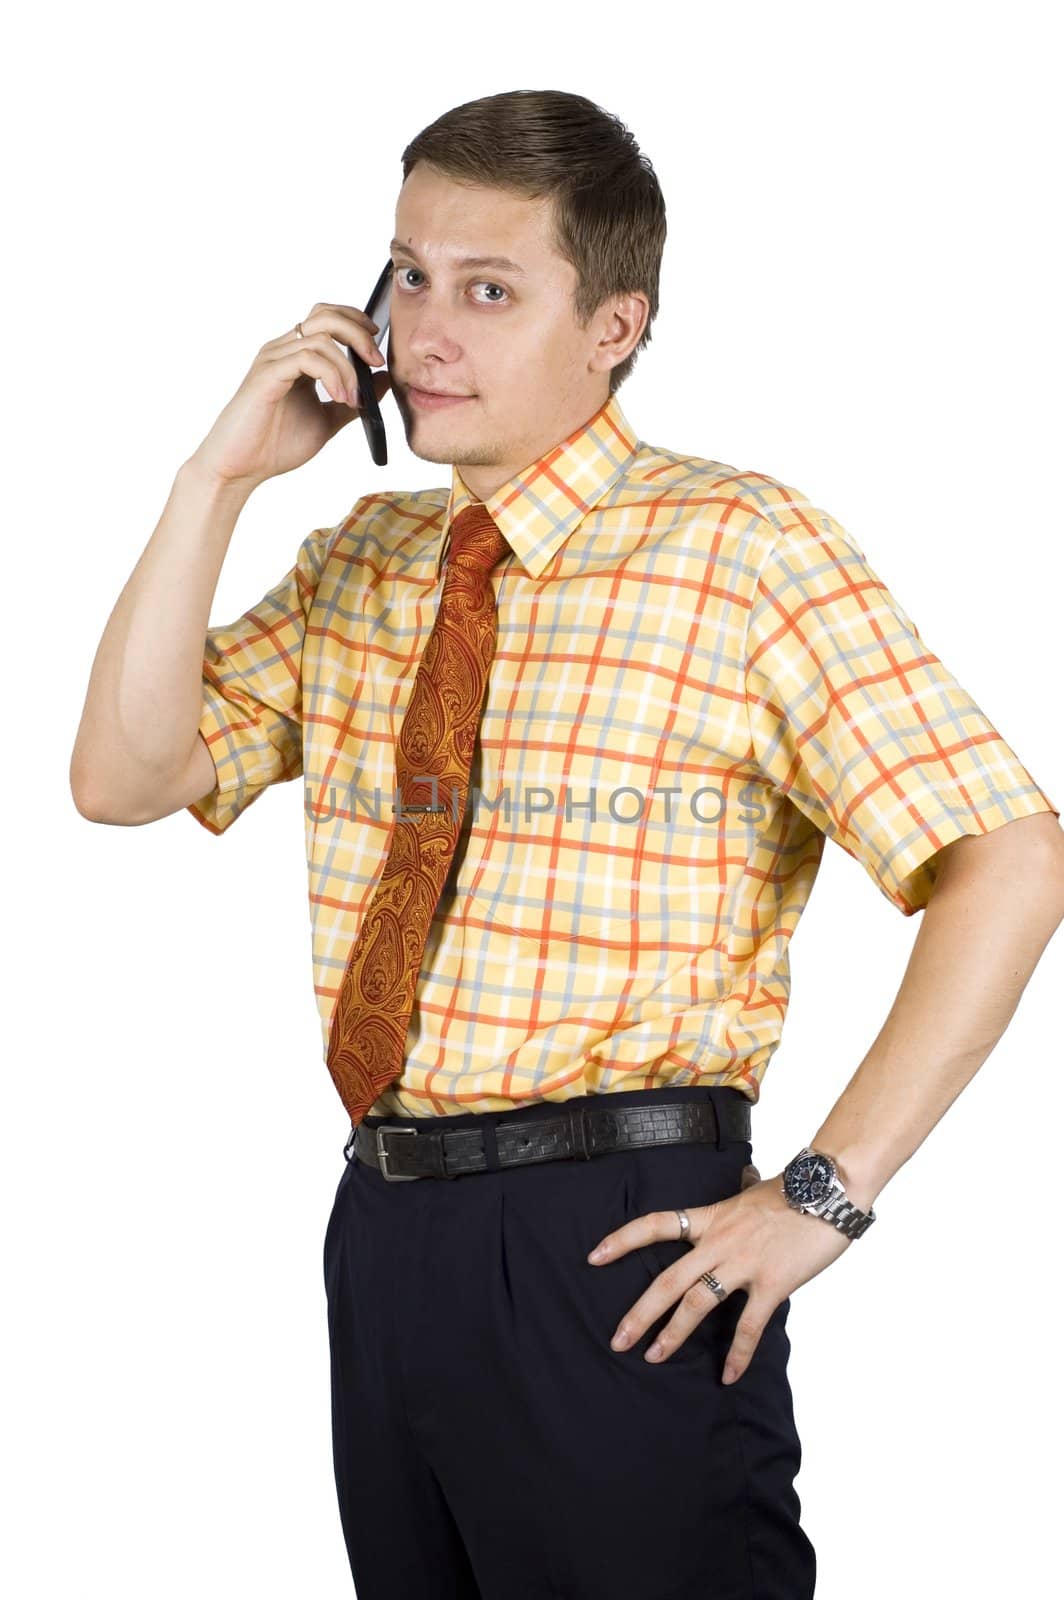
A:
x: 429, y: 333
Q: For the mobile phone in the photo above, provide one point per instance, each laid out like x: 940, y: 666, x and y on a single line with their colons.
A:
x: 378, y: 308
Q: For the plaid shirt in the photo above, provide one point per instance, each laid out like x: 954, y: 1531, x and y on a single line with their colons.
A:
x: 697, y: 678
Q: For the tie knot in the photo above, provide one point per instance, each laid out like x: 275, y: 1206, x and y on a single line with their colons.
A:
x: 476, y: 539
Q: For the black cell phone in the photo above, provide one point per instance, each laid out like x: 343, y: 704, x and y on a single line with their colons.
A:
x: 378, y: 308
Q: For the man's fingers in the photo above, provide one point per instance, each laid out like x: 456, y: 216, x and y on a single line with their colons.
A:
x: 652, y: 1226
x: 747, y: 1337
x: 698, y: 1302
x: 750, y: 1175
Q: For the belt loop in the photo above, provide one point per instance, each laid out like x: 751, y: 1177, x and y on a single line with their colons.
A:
x: 714, y: 1100
x: 578, y: 1132
x: 491, y: 1147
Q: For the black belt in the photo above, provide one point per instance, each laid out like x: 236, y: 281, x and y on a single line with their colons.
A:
x: 401, y: 1151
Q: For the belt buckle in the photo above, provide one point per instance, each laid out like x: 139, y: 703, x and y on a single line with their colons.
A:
x: 382, y: 1157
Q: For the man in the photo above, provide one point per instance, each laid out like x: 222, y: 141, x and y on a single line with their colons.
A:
x: 648, y: 686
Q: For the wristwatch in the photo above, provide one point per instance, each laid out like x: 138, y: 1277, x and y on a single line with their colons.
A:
x: 811, y: 1183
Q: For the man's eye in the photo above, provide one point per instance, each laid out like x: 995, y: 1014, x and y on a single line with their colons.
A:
x: 493, y: 301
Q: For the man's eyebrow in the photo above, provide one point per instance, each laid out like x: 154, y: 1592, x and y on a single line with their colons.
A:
x: 502, y: 263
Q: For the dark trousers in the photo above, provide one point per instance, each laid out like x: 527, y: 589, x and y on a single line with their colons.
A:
x: 490, y: 1445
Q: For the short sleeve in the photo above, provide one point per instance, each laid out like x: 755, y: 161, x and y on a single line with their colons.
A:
x: 252, y: 691
x: 860, y: 725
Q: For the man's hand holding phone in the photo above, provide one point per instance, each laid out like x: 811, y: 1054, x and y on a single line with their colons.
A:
x: 275, y: 421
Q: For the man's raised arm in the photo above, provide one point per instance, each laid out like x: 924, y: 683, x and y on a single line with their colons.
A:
x: 139, y: 753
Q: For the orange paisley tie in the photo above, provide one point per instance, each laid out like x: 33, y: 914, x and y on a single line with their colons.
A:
x: 368, y: 1029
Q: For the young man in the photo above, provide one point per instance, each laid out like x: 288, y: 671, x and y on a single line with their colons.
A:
x: 653, y: 684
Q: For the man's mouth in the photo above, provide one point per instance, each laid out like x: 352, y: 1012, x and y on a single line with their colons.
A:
x: 434, y: 400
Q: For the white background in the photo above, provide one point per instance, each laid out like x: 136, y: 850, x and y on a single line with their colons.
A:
x: 860, y: 296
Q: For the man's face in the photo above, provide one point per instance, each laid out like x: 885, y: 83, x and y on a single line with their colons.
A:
x: 505, y: 339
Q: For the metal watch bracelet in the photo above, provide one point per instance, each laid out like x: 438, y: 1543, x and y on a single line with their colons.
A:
x: 848, y: 1218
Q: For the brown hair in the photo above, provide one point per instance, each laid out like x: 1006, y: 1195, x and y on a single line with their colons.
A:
x: 608, y: 210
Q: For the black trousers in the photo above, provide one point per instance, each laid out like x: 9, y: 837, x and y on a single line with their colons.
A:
x: 490, y: 1445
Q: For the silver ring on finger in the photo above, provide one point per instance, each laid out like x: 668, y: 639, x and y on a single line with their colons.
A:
x: 685, y: 1224
x: 715, y: 1284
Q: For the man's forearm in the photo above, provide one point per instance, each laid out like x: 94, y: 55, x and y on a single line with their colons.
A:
x: 142, y: 707
x: 997, y: 900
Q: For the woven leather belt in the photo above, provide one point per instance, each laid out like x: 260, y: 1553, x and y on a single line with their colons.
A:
x: 402, y: 1152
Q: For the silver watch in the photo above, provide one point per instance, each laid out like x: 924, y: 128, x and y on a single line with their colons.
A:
x: 811, y: 1183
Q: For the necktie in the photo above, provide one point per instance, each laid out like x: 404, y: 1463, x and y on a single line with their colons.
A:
x: 367, y: 1033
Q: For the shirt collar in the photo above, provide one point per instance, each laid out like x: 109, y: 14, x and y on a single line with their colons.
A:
x: 538, y: 508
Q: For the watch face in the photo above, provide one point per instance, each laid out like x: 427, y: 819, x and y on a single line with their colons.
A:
x: 810, y: 1179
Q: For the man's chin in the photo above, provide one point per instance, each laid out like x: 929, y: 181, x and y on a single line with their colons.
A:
x: 419, y: 439
x: 431, y: 450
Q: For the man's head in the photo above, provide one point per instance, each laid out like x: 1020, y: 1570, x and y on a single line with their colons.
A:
x: 558, y: 187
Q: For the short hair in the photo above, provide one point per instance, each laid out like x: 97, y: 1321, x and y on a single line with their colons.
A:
x: 608, y: 209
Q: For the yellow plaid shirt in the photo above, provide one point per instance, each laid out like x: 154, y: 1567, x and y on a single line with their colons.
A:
x: 697, y: 678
